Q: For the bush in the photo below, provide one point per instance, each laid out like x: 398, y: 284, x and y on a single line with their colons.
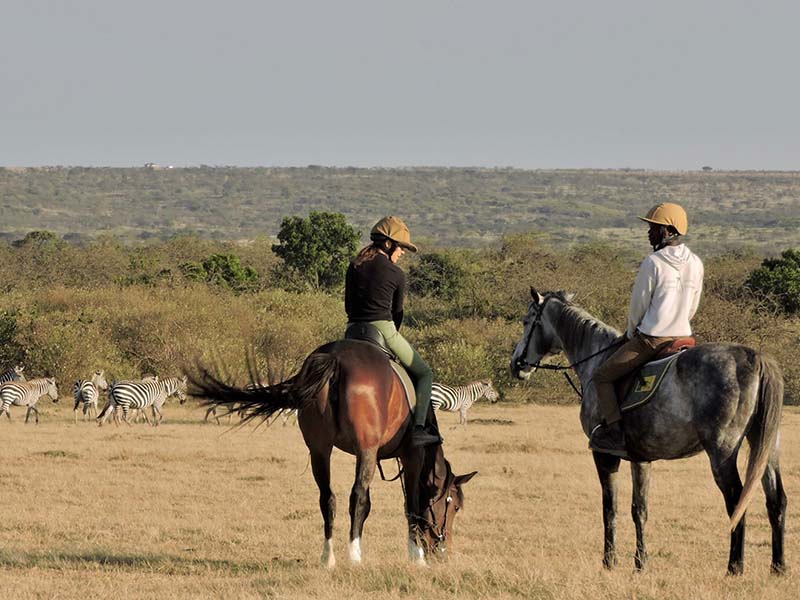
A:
x: 778, y: 279
x: 436, y: 275
x: 317, y: 249
x: 224, y: 270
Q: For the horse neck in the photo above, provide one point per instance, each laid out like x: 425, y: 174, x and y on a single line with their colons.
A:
x: 581, y: 335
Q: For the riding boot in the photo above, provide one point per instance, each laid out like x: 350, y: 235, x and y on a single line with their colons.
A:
x: 609, y: 439
x: 420, y: 437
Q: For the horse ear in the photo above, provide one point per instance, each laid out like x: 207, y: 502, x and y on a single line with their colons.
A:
x: 536, y: 296
x: 462, y: 479
x: 569, y: 296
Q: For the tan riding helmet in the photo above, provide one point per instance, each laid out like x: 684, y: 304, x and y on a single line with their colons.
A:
x: 394, y: 229
x: 667, y: 213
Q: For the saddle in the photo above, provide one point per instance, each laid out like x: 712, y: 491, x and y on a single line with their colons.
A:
x: 365, y: 332
x: 638, y: 387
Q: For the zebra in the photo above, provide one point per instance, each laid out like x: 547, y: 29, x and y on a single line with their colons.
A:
x: 26, y: 393
x: 127, y: 395
x: 87, y: 392
x: 460, y: 398
x: 14, y: 374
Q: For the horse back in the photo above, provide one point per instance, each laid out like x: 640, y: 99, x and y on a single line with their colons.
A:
x: 365, y: 407
x: 711, y: 393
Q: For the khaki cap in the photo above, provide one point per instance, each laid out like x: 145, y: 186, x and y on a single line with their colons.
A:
x: 395, y: 229
x: 667, y: 213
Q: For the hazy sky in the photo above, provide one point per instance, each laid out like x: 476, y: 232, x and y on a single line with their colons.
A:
x: 672, y: 85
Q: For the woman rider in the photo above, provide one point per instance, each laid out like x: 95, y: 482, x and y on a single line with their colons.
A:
x: 374, y: 290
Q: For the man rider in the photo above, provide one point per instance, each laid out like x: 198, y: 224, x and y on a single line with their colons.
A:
x: 664, y: 299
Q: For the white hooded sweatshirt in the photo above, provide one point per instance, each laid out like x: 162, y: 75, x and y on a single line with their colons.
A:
x: 666, y: 293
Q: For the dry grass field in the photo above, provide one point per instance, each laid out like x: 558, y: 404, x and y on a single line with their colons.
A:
x: 194, y: 510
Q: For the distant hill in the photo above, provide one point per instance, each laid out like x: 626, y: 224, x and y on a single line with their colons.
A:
x: 443, y: 206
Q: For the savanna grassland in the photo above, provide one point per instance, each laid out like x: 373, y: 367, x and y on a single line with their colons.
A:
x: 195, y: 510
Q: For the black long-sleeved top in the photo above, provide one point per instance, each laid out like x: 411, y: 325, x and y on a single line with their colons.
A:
x: 374, y: 291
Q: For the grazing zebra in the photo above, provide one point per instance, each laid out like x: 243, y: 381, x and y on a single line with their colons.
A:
x: 87, y: 392
x: 460, y: 398
x: 26, y: 393
x: 127, y: 395
x: 14, y: 374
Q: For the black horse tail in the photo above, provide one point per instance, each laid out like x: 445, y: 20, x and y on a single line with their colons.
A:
x: 314, y: 378
x: 767, y: 421
x: 256, y: 401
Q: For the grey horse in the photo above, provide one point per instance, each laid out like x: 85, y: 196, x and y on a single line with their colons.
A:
x: 714, y: 397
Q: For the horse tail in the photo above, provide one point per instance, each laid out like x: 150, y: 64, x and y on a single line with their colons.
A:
x: 256, y: 401
x: 314, y: 378
x: 767, y: 420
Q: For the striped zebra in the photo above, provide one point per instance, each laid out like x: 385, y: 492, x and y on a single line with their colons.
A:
x: 87, y: 393
x: 460, y: 398
x: 127, y: 395
x: 14, y: 374
x: 26, y: 393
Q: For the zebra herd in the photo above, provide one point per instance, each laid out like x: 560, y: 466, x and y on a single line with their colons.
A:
x: 127, y: 397
x: 124, y: 397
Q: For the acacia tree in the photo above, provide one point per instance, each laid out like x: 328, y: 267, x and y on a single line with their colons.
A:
x: 318, y: 249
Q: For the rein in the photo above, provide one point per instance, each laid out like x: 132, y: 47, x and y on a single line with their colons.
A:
x: 564, y: 368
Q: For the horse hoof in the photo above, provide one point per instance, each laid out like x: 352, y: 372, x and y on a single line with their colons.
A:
x: 777, y: 569
x: 735, y: 569
x: 328, y: 560
x: 355, y: 551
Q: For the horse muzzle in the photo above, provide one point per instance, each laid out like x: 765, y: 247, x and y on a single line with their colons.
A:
x: 522, y: 370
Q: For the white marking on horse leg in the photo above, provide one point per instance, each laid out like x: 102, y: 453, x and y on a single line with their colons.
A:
x: 328, y: 560
x: 355, y: 551
x: 416, y: 555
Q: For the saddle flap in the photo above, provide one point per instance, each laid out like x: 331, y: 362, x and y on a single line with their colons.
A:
x: 639, y: 387
x: 405, y: 379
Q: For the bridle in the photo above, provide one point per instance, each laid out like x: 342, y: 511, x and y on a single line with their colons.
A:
x: 440, y: 533
x: 522, y: 361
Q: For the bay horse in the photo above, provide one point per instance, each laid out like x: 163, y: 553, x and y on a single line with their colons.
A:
x: 348, y: 396
x: 715, y: 396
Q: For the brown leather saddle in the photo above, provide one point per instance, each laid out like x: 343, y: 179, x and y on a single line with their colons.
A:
x: 636, y: 388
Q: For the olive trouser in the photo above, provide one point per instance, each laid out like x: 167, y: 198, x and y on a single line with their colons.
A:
x: 631, y: 355
x: 420, y: 371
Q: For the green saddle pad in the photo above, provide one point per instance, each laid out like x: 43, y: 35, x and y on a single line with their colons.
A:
x: 411, y: 395
x: 646, y: 382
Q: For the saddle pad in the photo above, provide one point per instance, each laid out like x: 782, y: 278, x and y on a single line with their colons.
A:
x: 646, y: 382
x: 411, y: 395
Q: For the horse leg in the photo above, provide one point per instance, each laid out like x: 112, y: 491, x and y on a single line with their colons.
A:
x: 359, y: 501
x: 728, y: 481
x: 640, y: 474
x: 607, y: 468
x: 412, y: 470
x: 321, y: 467
x: 776, y: 509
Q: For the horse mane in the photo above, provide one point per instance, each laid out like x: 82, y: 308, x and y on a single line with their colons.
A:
x: 576, y: 327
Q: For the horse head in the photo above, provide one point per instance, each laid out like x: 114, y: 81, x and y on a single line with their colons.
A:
x: 538, y: 333
x: 441, y: 498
